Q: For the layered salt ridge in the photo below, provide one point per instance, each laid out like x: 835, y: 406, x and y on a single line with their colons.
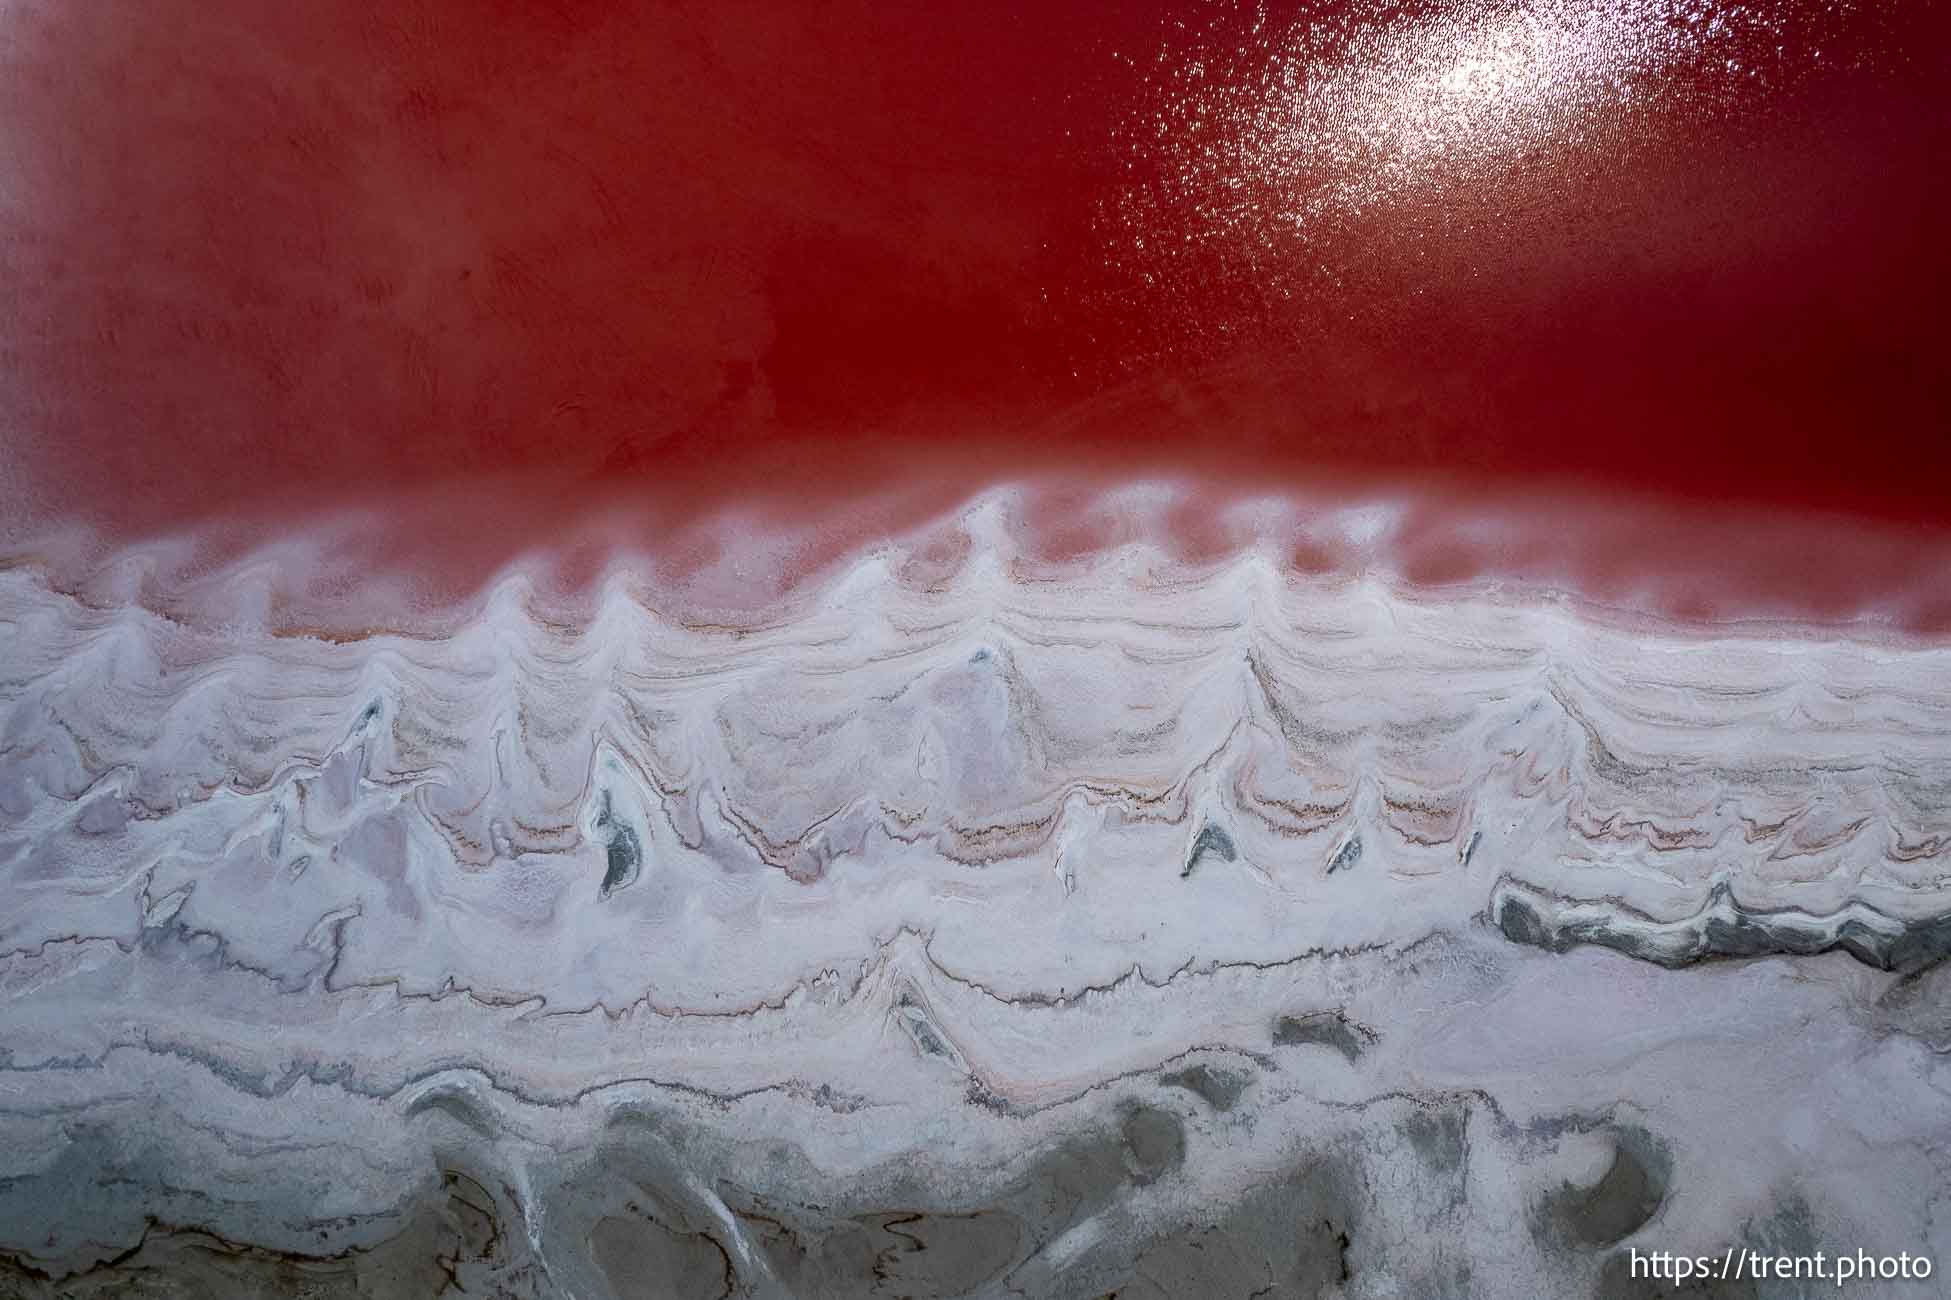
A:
x: 1235, y: 767
x: 427, y: 564
x: 963, y: 865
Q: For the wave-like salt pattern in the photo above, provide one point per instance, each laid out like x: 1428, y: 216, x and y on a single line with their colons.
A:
x: 477, y: 806
x: 1025, y: 840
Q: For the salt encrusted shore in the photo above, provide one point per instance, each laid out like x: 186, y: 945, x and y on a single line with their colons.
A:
x: 1119, y: 931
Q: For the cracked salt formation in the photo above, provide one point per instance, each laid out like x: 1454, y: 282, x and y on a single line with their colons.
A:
x: 1132, y: 930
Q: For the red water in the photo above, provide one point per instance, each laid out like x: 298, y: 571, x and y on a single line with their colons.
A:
x: 852, y: 262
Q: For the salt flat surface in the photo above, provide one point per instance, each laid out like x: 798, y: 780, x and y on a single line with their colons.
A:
x: 1123, y: 929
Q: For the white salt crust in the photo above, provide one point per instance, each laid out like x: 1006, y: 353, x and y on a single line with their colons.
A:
x: 1465, y: 920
